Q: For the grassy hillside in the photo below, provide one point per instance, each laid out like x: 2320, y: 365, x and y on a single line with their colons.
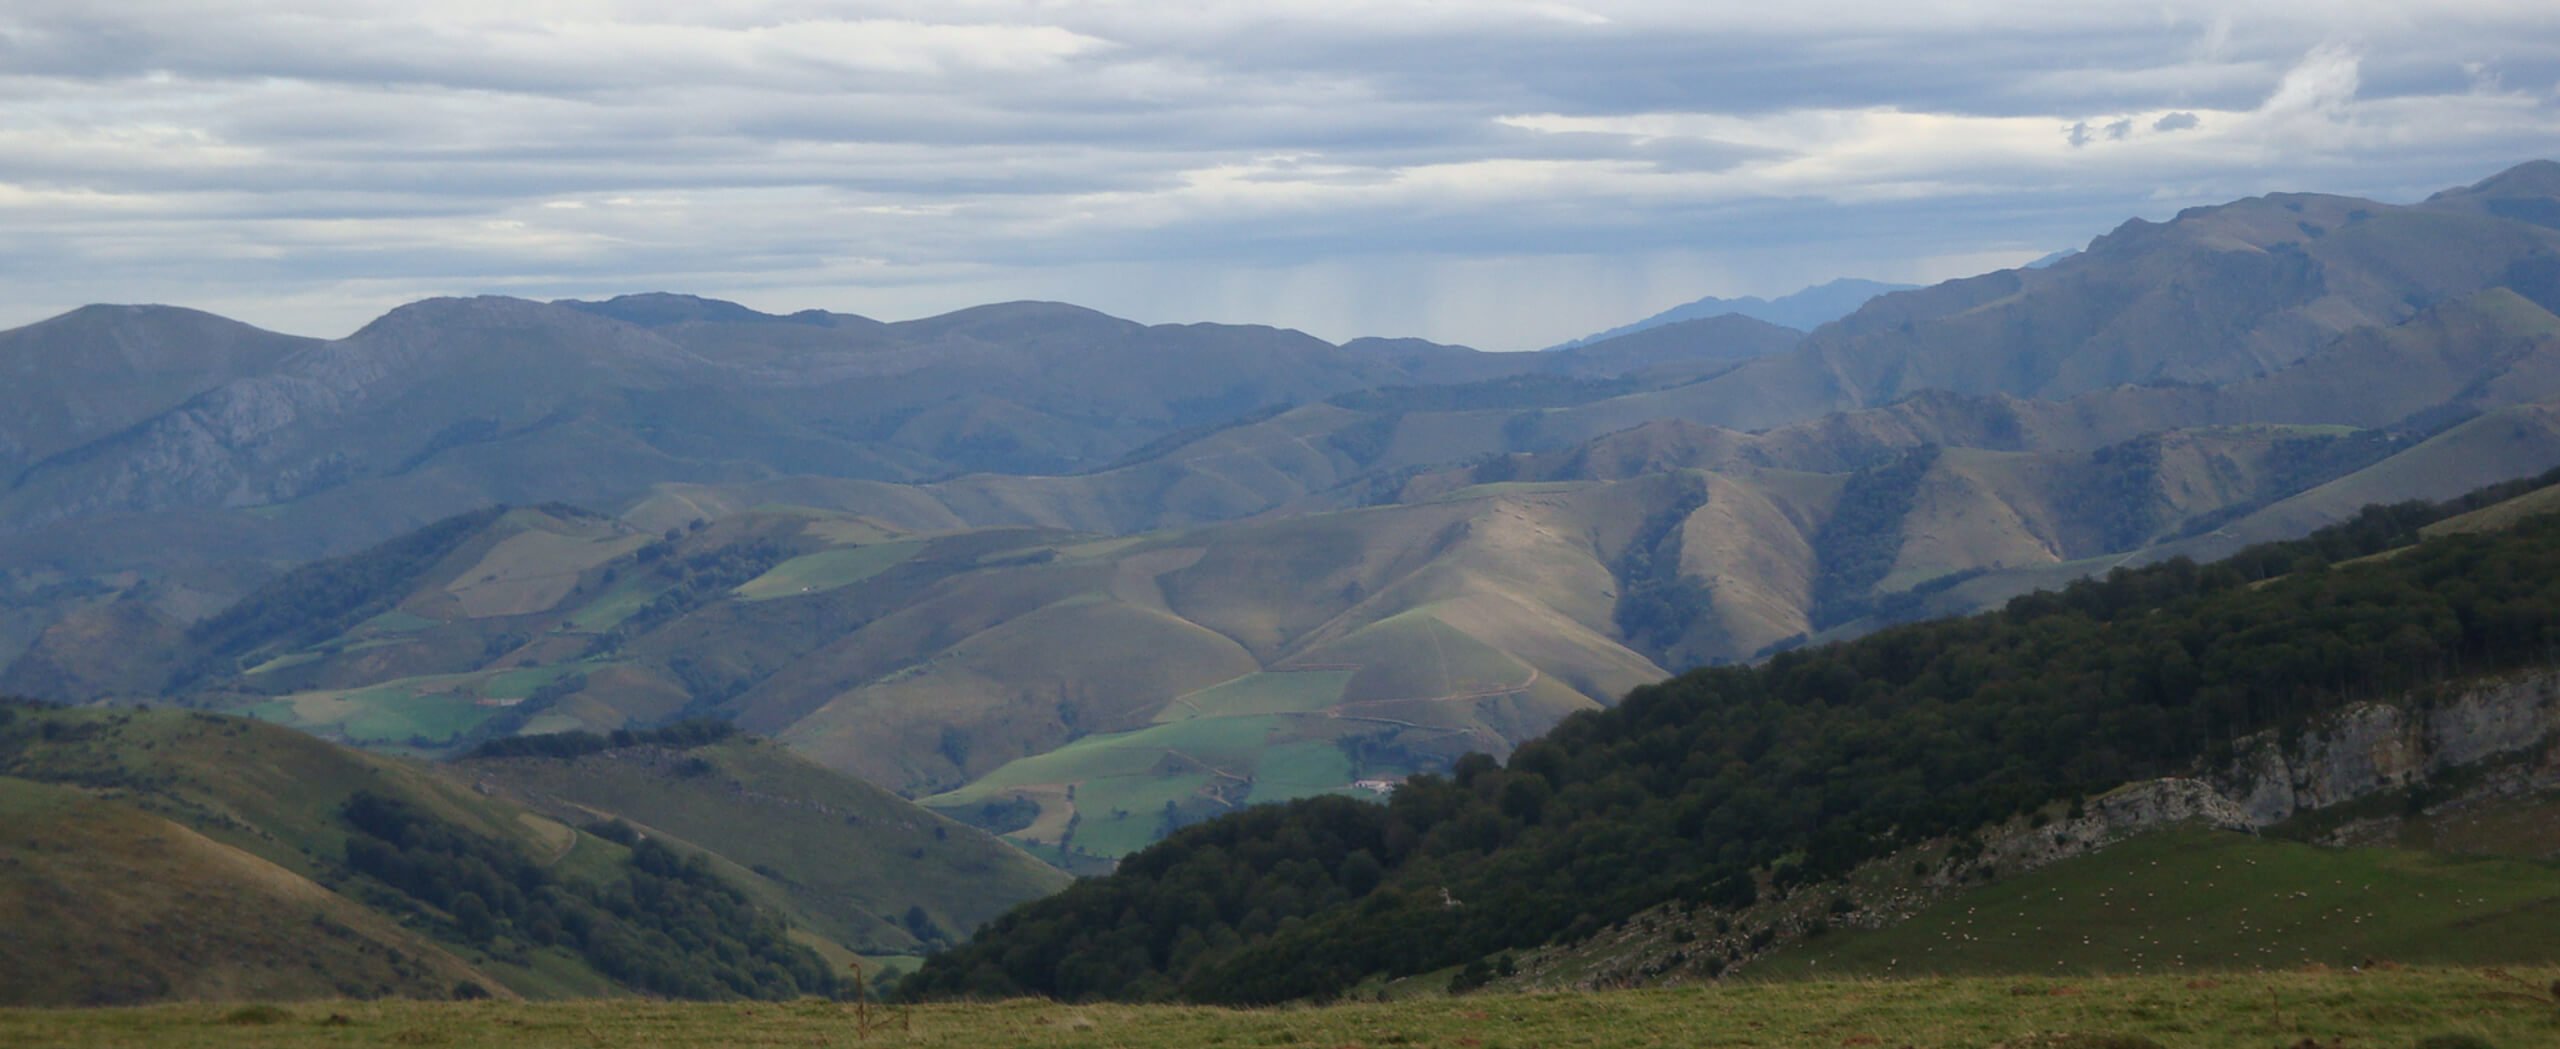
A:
x: 274, y: 795
x: 394, y: 869
x: 2204, y: 900
x: 109, y: 904
x: 860, y: 866
x: 2409, y: 1008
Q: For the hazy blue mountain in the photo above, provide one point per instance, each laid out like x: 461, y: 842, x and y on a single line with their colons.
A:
x: 1804, y: 310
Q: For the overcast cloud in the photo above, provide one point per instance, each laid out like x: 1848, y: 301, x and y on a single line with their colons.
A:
x: 1506, y: 174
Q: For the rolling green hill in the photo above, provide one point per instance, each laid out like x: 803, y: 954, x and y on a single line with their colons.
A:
x: 159, y: 854
x: 109, y: 904
x: 274, y: 797
x: 856, y: 864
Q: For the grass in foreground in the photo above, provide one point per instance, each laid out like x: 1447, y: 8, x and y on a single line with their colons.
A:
x: 2374, y: 1010
x: 2192, y: 898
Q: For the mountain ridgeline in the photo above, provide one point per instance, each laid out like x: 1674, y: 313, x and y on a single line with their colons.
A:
x: 253, y: 451
x: 1726, y: 783
x: 1212, y: 599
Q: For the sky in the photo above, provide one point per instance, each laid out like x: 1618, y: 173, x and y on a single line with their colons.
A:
x: 1498, y: 173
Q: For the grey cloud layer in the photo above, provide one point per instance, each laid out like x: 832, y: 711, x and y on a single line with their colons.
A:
x: 1502, y: 173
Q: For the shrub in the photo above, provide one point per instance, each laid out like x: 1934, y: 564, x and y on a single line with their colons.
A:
x: 258, y: 1014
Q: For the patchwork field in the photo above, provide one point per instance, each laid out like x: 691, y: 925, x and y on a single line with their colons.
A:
x: 1116, y: 786
x: 2405, y: 1009
x: 1269, y: 736
x: 393, y: 715
x: 423, y: 714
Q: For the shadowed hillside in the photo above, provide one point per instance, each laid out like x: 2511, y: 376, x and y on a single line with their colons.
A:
x: 161, y: 854
x: 861, y: 866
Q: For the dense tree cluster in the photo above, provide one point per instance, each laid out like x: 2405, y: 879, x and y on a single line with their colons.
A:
x: 666, y: 925
x: 323, y: 599
x: 2121, y: 484
x: 510, y: 720
x: 1656, y: 604
x: 1709, y: 786
x: 2295, y: 464
x: 680, y: 735
x: 691, y: 581
x: 1863, y: 535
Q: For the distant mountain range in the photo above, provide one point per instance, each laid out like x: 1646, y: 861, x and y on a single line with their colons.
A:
x: 1079, y: 580
x: 1803, y: 310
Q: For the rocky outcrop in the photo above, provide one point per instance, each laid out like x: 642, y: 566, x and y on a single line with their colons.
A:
x: 2365, y: 749
x: 2494, y: 738
x: 2373, y: 747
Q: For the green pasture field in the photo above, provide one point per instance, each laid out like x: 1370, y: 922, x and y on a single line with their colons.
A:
x: 2404, y: 1009
x: 1121, y: 813
x: 380, y: 715
x: 2206, y: 899
x: 626, y: 596
x: 1123, y: 779
x: 1298, y: 770
x: 1285, y: 692
x: 826, y: 570
x: 1229, y: 744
